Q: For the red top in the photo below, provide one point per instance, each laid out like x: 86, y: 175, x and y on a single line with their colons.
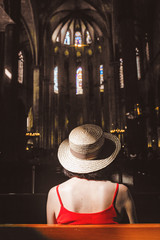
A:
x: 106, y: 216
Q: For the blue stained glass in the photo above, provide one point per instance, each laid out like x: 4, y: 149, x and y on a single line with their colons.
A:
x: 101, y: 79
x: 78, y: 38
x: 67, y: 38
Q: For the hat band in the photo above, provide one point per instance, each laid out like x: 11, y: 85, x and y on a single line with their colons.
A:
x: 85, y: 155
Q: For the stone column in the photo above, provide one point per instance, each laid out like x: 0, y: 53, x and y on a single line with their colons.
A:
x: 127, y: 36
x: 126, y: 26
x: 72, y: 90
x: 36, y: 84
x: 109, y: 108
x: 96, y: 86
x: 10, y: 90
x: 2, y: 62
x: 85, y: 85
x: 2, y: 110
x: 61, y: 97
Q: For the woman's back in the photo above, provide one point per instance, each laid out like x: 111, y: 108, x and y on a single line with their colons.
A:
x: 81, y: 201
x: 86, y: 196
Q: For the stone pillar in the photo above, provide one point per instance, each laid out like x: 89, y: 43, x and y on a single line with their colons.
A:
x: 2, y: 110
x: 61, y: 97
x: 126, y: 26
x: 45, y: 113
x: 96, y: 86
x: 127, y: 36
x: 109, y: 83
x: 2, y: 62
x: 72, y: 90
x: 85, y: 85
x: 4, y: 101
x: 36, y: 84
x: 10, y: 93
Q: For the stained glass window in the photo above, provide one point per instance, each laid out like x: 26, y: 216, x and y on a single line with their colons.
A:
x: 56, y: 79
x: 88, y: 38
x: 79, y: 89
x: 8, y: 73
x: 121, y: 76
x: 20, y: 67
x: 78, y: 38
x: 101, y: 79
x: 138, y: 64
x: 67, y: 38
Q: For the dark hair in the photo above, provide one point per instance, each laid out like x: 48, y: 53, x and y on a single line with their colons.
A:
x: 103, y: 174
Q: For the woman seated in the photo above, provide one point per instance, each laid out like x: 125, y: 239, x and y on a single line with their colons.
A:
x: 88, y: 197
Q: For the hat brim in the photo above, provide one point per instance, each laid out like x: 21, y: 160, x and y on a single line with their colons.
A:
x: 77, y: 165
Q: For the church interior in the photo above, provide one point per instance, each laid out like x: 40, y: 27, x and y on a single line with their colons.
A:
x: 64, y: 63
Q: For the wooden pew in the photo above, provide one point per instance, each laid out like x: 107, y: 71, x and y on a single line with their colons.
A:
x: 80, y: 232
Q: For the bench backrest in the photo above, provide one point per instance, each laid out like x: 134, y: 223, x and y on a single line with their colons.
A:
x: 80, y: 232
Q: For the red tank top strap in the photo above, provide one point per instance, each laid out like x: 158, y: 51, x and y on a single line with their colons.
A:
x: 59, y: 195
x: 115, y: 193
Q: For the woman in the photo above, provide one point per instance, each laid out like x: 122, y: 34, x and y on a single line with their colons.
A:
x: 87, y: 198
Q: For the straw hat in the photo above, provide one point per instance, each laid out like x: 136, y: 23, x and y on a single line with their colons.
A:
x: 88, y: 149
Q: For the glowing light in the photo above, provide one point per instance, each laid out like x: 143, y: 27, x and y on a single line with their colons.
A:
x: 8, y: 73
x: 56, y: 49
x: 117, y: 130
x: 100, y: 48
x: 78, y: 54
x: 66, y: 122
x: 138, y: 109
x: 66, y: 53
x: 57, y: 39
x: 33, y: 134
x: 90, y: 52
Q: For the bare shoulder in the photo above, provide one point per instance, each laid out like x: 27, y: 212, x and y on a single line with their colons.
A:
x: 52, y: 193
x: 52, y: 190
x: 51, y: 206
x: 123, y: 188
x: 123, y: 193
x: 126, y: 201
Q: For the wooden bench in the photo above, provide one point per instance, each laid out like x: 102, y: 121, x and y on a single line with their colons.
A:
x: 80, y: 232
